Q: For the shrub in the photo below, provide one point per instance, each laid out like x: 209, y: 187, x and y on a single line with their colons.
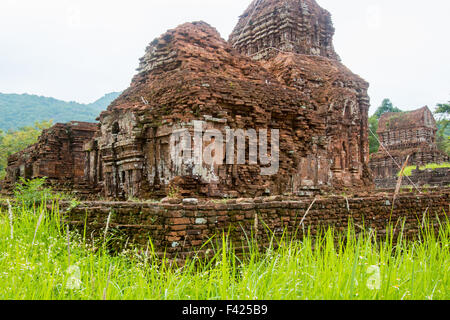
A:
x: 33, y: 191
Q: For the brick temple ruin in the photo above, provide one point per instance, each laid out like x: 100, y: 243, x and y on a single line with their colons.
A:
x: 58, y: 155
x: 278, y: 70
x: 406, y: 134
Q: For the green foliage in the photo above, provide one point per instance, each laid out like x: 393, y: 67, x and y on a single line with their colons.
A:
x: 408, y: 170
x: 443, y: 134
x: 443, y: 108
x: 36, y: 191
x: 39, y: 263
x: 31, y: 192
x: 386, y: 106
x: 15, y: 141
x: 374, y: 145
x: 23, y: 110
x: 174, y: 192
x: 2, y: 158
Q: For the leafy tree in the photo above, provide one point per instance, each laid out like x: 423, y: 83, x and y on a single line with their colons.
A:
x: 386, y: 106
x: 443, y: 134
x: 15, y: 141
x: 443, y: 108
x: 374, y: 145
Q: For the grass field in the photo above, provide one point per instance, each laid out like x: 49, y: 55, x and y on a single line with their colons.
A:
x: 39, y: 259
x: 408, y: 170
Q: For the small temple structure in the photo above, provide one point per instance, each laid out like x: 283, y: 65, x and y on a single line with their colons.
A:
x: 58, y: 155
x: 405, y: 134
x: 278, y: 71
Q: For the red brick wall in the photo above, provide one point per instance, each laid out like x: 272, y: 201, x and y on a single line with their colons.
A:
x: 181, y: 228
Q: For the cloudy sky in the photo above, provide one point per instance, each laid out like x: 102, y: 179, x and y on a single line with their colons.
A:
x: 78, y: 50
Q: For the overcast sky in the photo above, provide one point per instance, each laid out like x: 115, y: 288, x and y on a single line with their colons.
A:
x: 81, y: 49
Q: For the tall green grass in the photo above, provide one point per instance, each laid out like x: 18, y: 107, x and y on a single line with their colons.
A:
x: 42, y: 260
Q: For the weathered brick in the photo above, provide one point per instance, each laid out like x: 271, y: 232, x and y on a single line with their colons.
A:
x: 179, y: 221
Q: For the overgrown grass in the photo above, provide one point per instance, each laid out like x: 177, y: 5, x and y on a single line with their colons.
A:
x: 38, y: 262
x: 408, y: 170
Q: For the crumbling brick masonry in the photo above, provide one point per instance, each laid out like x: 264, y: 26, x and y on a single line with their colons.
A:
x: 190, y: 73
x: 58, y: 155
x: 180, y: 228
x: 278, y: 72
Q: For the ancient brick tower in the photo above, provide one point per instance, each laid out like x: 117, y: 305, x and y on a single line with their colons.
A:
x: 268, y: 26
x: 405, y: 134
x: 294, y: 41
x: 278, y: 72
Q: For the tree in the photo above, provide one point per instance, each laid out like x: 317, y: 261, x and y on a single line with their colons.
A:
x: 386, y: 106
x: 374, y: 145
x: 443, y: 134
x: 15, y: 141
x: 443, y: 108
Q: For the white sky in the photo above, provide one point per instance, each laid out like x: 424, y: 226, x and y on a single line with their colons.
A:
x: 81, y: 49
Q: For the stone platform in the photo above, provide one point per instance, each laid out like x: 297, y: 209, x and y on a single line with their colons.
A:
x: 178, y: 228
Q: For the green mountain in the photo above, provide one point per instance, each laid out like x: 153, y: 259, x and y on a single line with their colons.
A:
x: 19, y: 110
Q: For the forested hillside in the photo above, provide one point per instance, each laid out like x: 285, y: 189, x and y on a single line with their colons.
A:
x: 24, y: 110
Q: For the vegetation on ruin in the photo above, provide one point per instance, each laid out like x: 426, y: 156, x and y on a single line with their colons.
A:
x: 41, y: 258
x: 433, y: 166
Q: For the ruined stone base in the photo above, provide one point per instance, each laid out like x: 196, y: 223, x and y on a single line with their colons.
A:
x: 178, y: 228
